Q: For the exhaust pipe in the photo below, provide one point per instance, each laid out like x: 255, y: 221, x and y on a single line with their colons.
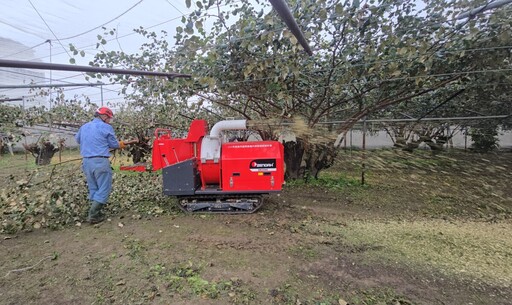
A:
x: 227, y: 125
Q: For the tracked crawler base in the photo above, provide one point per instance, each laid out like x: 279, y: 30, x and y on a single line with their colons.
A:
x: 220, y: 204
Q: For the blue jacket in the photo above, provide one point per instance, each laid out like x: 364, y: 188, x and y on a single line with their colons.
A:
x: 96, y: 138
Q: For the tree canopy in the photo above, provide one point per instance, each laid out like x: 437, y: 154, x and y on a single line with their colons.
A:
x: 370, y: 58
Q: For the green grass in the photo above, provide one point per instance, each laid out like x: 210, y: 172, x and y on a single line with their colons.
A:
x: 378, y: 296
x: 304, y: 252
x: 293, y: 292
x: 135, y: 248
x: 475, y: 250
x: 16, y: 165
x: 329, y: 180
x: 19, y: 162
x: 186, y: 279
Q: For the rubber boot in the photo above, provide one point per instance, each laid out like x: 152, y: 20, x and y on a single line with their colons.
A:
x: 95, y: 215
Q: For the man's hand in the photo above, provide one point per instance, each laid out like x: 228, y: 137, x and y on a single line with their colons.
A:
x: 123, y: 144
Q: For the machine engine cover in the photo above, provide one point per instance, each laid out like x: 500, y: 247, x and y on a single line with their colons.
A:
x: 252, y: 166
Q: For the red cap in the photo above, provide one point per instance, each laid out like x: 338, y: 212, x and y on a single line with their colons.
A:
x: 106, y: 111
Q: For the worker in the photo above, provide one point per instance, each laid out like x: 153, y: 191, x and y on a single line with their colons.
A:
x: 96, y: 139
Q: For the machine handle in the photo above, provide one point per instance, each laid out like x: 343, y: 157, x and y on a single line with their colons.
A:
x: 159, y: 132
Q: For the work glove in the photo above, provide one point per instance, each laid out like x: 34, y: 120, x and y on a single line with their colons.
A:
x: 123, y: 144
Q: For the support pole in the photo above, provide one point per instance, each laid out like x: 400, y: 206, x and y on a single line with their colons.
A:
x: 363, y: 161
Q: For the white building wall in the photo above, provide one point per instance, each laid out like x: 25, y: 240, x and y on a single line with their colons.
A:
x: 12, y: 50
x: 381, y: 139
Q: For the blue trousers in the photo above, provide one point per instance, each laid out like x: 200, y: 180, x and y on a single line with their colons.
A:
x: 99, y: 178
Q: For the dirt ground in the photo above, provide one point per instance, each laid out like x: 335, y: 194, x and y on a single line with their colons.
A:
x: 432, y: 231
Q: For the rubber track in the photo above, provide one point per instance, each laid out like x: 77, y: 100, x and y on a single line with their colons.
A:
x: 220, y: 204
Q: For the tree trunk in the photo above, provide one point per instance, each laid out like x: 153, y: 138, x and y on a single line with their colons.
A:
x: 293, y: 152
x: 43, y: 153
x: 320, y: 156
x: 306, y: 160
x: 141, y: 150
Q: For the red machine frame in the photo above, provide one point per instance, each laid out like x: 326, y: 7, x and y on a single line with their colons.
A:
x: 207, y: 173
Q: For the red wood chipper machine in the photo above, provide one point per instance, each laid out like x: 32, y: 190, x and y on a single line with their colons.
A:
x: 209, y: 174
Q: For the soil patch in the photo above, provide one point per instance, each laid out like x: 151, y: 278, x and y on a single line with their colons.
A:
x: 392, y: 241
